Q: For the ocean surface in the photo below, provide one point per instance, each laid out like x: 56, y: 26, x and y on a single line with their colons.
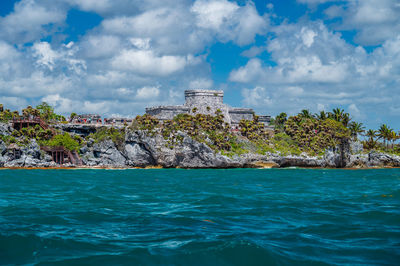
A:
x: 200, y: 217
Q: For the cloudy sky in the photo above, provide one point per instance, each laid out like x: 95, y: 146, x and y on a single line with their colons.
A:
x: 119, y: 56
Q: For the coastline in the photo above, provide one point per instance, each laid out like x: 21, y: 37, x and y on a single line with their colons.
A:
x: 210, y: 168
x: 141, y: 149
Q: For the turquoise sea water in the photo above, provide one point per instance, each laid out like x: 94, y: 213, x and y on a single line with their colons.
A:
x: 200, y: 217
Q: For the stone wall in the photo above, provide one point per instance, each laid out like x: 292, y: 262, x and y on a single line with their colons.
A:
x: 206, y: 102
x: 237, y: 114
x: 167, y: 112
x: 206, y: 97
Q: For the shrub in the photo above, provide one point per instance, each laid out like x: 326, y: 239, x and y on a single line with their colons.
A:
x: 116, y: 135
x: 64, y: 140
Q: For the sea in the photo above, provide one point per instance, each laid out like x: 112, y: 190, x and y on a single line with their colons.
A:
x: 200, y: 217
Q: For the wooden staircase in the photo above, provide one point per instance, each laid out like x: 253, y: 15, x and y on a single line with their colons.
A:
x: 58, y: 154
x: 74, y: 158
x: 19, y: 123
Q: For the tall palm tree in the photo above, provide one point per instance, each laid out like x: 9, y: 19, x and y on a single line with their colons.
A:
x: 305, y: 114
x: 383, y: 133
x: 345, y: 119
x: 340, y: 116
x: 392, y: 136
x: 321, y: 116
x: 371, y: 134
x: 337, y: 114
x: 356, y: 128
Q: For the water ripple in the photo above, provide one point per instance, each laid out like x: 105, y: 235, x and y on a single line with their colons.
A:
x: 197, y: 217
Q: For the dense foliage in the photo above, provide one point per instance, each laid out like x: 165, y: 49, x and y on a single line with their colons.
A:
x: 114, y: 134
x: 209, y: 129
x: 315, y: 135
x: 304, y: 132
x: 64, y: 140
x: 43, y: 111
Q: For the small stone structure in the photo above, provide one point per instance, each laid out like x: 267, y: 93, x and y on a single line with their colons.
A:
x: 117, y: 121
x: 206, y: 102
x: 87, y: 119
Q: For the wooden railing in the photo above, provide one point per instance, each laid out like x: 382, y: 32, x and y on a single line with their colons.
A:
x: 73, y: 156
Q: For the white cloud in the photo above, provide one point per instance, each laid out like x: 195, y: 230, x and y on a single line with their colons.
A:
x: 355, y: 111
x: 201, y: 83
x: 315, y: 68
x: 44, y: 54
x: 256, y: 97
x: 146, y: 62
x: 375, y: 20
x: 101, y: 46
x: 229, y: 21
x: 92, y: 5
x: 253, y: 70
x: 64, y: 57
x: 147, y: 93
x: 293, y: 91
x: 315, y: 1
x: 139, y: 43
x: 27, y: 22
x: 307, y: 36
x: 212, y: 14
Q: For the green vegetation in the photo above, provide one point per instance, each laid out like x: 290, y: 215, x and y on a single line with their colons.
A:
x: 313, y: 135
x: 116, y: 135
x: 64, y: 140
x: 302, y: 133
x: 43, y: 111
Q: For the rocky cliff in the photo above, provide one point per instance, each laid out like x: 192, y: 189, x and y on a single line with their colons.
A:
x: 140, y: 149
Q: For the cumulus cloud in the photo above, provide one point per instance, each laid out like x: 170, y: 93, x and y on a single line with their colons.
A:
x: 98, y: 6
x: 44, y: 54
x: 315, y: 65
x: 146, y: 62
x: 375, y: 20
x: 147, y: 93
x: 30, y: 21
x: 64, y: 57
x: 229, y: 21
x: 147, y: 52
x: 201, y: 83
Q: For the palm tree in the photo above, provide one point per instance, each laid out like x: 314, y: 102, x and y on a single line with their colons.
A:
x: 392, y: 136
x: 305, y: 114
x: 371, y: 134
x: 340, y: 116
x: 346, y: 119
x: 356, y: 128
x: 383, y: 133
x: 280, y: 120
x: 337, y: 114
x: 321, y: 116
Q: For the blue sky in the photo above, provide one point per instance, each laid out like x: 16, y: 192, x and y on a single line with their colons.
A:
x: 115, y: 57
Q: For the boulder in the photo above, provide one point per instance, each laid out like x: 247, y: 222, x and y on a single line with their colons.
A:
x: 5, y: 129
x: 358, y: 161
x: 186, y: 154
x: 138, y: 155
x: 108, y: 154
x: 3, y: 148
x: 382, y: 159
x: 331, y: 159
x: 33, y: 149
x: 356, y: 147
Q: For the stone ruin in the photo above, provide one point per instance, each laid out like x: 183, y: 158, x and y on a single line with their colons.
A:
x: 206, y: 102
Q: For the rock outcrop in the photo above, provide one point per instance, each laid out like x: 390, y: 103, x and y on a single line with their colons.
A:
x: 5, y: 129
x: 143, y: 149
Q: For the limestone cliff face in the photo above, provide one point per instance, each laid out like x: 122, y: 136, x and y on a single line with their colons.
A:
x: 142, y: 149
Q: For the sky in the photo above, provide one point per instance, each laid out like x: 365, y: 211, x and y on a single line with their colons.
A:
x: 116, y: 57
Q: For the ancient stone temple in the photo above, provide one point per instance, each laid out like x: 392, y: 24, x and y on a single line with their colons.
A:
x: 205, y: 102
